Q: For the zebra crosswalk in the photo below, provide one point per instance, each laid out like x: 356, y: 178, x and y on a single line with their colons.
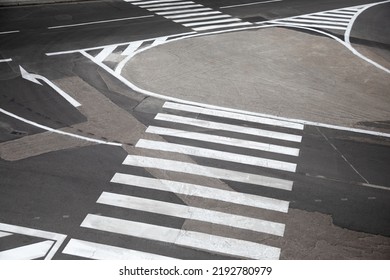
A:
x: 338, y: 19
x: 208, y: 134
x: 190, y: 14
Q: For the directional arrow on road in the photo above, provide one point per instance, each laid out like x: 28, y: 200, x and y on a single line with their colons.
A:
x: 35, y: 77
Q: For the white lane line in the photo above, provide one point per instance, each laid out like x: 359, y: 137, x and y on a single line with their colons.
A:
x: 183, y: 11
x: 97, y: 251
x: 221, y: 26
x: 165, y: 4
x: 59, y: 238
x: 228, y: 127
x: 193, y: 15
x: 345, y: 24
x: 5, y: 60
x: 191, y: 239
x: 204, y: 137
x: 105, y: 53
x: 4, y: 234
x: 98, y: 22
x: 175, y: 8
x: 201, y: 18
x: 214, y: 154
x: 231, y: 115
x: 192, y: 213
x: 133, y: 46
x: 211, y: 22
x: 9, y: 32
x: 293, y: 24
x: 58, y: 131
x: 233, y: 197
x: 250, y: 4
x: 28, y: 252
x: 195, y: 169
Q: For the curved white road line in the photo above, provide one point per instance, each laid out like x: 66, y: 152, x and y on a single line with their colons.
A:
x: 58, y: 131
x: 348, y: 34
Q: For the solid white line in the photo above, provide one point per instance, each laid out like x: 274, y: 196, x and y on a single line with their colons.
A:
x: 211, y: 22
x: 195, y: 169
x: 96, y: 251
x: 98, y: 22
x: 175, y: 8
x: 200, y: 18
x: 250, y: 4
x: 9, y: 32
x: 202, y: 191
x: 191, y: 239
x: 214, y: 154
x: 165, y: 4
x: 4, y: 234
x: 6, y: 60
x: 229, y: 127
x: 105, y: 53
x: 192, y: 15
x: 345, y: 24
x: 183, y: 11
x: 192, y: 213
x: 204, y: 137
x: 230, y: 115
x: 221, y: 26
x: 58, y: 131
x: 133, y: 46
x: 28, y: 252
x: 292, y: 24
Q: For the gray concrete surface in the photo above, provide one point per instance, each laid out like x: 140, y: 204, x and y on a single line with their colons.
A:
x: 277, y: 71
x: 6, y: 3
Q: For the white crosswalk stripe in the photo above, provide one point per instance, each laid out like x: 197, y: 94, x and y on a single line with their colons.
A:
x: 210, y: 122
x: 337, y: 19
x: 191, y: 14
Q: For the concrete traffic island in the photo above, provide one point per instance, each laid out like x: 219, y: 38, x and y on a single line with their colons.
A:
x: 277, y: 71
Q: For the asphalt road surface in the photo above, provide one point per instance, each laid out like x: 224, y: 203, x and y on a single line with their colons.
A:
x: 92, y: 167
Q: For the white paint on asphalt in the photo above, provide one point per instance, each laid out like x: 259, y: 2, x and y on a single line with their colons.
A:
x: 211, y: 22
x: 59, y: 238
x: 204, y: 137
x: 192, y: 213
x: 183, y: 11
x: 9, y: 32
x: 133, y: 46
x: 58, y: 131
x: 98, y: 22
x: 97, y: 251
x: 192, y: 15
x: 191, y: 19
x: 231, y: 115
x: 185, y: 238
x: 6, y: 60
x: 105, y: 53
x: 215, y: 154
x: 175, y: 8
x: 221, y: 26
x: 250, y: 4
x: 27, y: 252
x: 229, y: 127
x: 195, y: 169
x: 4, y: 234
x: 164, y: 4
x: 203, y: 192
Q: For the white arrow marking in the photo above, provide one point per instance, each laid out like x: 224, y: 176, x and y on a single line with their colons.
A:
x: 35, y: 77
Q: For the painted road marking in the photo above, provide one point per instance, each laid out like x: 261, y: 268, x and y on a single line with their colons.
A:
x: 98, y: 251
x: 250, y: 4
x: 4, y: 234
x: 193, y: 213
x: 191, y: 239
x: 164, y: 4
x: 202, y: 18
x: 195, y: 169
x: 211, y: 22
x: 215, y: 154
x: 202, y: 191
x: 27, y: 252
x: 228, y: 127
x: 98, y: 22
x: 204, y: 137
x: 193, y: 15
x: 231, y: 115
x: 9, y: 32
x: 6, y: 60
x: 105, y: 53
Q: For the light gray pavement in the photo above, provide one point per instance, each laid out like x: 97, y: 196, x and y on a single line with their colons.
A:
x: 277, y: 71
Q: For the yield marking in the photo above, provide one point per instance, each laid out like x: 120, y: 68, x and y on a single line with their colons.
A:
x: 196, y: 240
x: 193, y: 213
x: 35, y: 77
x: 51, y: 245
x: 214, y: 154
x: 191, y: 168
x: 202, y: 191
x: 28, y: 252
x: 98, y: 251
